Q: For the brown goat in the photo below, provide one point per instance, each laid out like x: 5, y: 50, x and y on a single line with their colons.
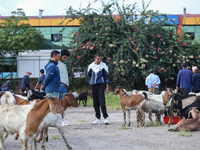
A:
x: 65, y: 102
x: 128, y: 102
x: 188, y: 124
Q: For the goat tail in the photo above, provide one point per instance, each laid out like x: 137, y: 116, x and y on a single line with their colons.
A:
x: 145, y: 95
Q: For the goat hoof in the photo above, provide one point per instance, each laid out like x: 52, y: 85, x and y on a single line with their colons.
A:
x: 69, y: 147
x: 129, y: 124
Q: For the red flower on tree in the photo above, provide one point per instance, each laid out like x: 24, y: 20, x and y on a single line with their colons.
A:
x: 151, y: 47
x: 4, y: 42
x: 159, y: 36
x: 78, y: 57
x: 144, y: 78
x: 109, y: 58
x: 165, y: 71
x: 159, y: 70
x: 108, y: 61
x: 197, y: 57
x: 166, y: 79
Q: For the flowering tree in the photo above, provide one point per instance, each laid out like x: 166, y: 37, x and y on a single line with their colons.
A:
x: 130, y: 45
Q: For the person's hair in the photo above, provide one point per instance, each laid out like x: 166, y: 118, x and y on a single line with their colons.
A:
x: 65, y: 52
x: 54, y: 52
x: 151, y: 71
x: 184, y: 64
x: 98, y: 55
x: 42, y: 70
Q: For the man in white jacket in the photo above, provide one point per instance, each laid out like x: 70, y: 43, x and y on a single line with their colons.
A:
x: 64, y: 80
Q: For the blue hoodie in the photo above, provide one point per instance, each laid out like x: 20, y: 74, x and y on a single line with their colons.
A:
x: 98, y: 73
x: 52, y: 79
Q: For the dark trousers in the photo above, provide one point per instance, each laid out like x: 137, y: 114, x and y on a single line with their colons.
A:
x: 99, y: 100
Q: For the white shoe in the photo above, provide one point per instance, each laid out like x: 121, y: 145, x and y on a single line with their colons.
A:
x: 98, y: 121
x: 65, y: 123
x: 106, y: 121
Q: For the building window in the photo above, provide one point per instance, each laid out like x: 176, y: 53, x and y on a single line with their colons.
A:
x: 56, y: 37
x: 190, y: 35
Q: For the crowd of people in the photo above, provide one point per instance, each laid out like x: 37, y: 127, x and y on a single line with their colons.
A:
x: 186, y: 81
x: 56, y: 81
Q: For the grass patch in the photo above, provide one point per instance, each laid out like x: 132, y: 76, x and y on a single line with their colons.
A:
x: 149, y: 124
x: 184, y: 133
x: 118, y: 135
x: 56, y: 137
x: 112, y: 101
x: 82, y: 121
x: 124, y: 128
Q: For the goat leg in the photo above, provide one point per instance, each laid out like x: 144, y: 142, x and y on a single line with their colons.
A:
x: 129, y: 120
x: 41, y: 136
x: 16, y: 136
x: 143, y: 118
x: 124, y: 113
x: 63, y: 136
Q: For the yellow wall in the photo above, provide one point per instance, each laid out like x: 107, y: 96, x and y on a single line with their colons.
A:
x: 191, y: 20
x: 50, y: 22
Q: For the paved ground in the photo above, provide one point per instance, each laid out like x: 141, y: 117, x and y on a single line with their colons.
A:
x: 82, y: 135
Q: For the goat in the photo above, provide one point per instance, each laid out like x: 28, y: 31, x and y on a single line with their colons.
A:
x: 188, y: 124
x: 51, y: 120
x: 66, y: 101
x: 128, y: 102
x: 186, y: 110
x: 150, y: 106
x: 177, y: 104
x: 27, y: 121
x: 82, y: 97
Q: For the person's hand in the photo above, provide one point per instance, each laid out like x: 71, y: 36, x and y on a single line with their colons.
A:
x: 192, y: 87
x: 42, y: 87
x: 153, y: 85
x: 107, y: 88
x: 177, y: 88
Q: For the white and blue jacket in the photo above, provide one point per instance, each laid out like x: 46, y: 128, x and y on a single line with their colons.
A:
x: 98, y: 73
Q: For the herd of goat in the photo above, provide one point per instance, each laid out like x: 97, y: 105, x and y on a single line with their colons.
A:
x: 36, y: 112
x: 168, y: 103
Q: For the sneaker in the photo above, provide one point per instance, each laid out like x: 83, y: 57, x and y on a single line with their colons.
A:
x: 106, y: 121
x: 65, y: 123
x: 98, y: 121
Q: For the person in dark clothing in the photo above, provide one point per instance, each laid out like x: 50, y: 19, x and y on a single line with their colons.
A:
x: 196, y: 79
x: 51, y: 83
x: 41, y: 79
x: 184, y: 80
x: 25, y: 82
x: 6, y: 86
x: 97, y: 77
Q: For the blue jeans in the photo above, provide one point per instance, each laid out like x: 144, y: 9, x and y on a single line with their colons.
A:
x: 5, y: 89
x: 53, y: 94
x: 63, y: 89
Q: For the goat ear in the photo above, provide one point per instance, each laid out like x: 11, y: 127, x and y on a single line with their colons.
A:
x: 52, y: 107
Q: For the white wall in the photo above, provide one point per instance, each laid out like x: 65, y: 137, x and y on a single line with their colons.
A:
x: 31, y: 64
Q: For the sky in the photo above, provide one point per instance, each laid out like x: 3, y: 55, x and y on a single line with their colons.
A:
x: 58, y: 7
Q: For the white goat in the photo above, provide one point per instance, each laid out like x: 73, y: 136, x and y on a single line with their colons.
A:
x: 150, y: 106
x: 25, y: 119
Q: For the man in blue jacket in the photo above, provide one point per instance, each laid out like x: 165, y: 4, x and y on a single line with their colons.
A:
x: 196, y: 78
x: 184, y: 80
x: 25, y: 81
x: 97, y: 77
x: 51, y: 83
